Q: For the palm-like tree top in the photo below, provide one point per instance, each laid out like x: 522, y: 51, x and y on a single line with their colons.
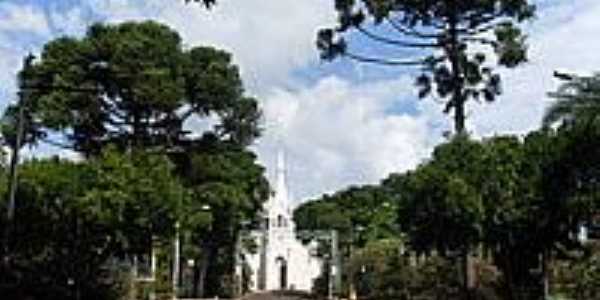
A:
x: 577, y: 100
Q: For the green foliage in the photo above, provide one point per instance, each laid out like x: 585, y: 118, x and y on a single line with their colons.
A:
x: 137, y: 193
x: 578, y: 279
x: 141, y: 176
x: 99, y: 90
x: 453, y: 34
x: 577, y: 100
x: 360, y: 214
x: 227, y: 189
x: 381, y: 270
x: 75, y: 219
x: 440, y: 211
x: 515, y: 199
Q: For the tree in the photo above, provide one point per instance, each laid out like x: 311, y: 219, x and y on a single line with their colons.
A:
x: 382, y: 271
x: 453, y: 34
x: 142, y: 174
x: 577, y: 100
x: 228, y: 181
x: 141, y: 196
x: 359, y: 215
x: 78, y: 219
x: 522, y: 200
x: 480, y: 194
x: 101, y: 90
x: 207, y: 3
x: 578, y: 279
x: 441, y: 212
x: 515, y: 214
x: 440, y: 207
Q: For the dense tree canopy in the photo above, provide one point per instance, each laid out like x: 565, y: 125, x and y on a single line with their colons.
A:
x: 121, y: 96
x: 132, y: 84
x: 75, y: 218
x: 450, y: 38
x: 226, y: 182
x: 516, y: 199
x: 359, y: 214
x: 578, y: 99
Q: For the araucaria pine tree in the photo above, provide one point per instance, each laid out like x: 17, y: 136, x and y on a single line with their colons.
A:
x: 453, y: 40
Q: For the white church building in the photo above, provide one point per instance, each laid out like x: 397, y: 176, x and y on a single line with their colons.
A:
x: 282, y: 262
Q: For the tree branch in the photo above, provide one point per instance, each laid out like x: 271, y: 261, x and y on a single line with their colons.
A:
x: 187, y: 114
x: 57, y: 144
x: 481, y: 40
x: 41, y: 87
x: 400, y: 28
x: 389, y: 41
x: 383, y: 61
x: 476, y: 31
x: 482, y: 24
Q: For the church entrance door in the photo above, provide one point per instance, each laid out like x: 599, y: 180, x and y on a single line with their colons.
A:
x: 282, y: 273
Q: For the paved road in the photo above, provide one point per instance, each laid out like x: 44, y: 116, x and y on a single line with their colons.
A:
x: 283, y: 295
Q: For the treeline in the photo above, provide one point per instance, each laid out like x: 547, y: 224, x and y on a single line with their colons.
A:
x: 507, y: 213
x: 121, y: 99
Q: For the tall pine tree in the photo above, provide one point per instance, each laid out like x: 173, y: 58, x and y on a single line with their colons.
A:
x: 453, y: 36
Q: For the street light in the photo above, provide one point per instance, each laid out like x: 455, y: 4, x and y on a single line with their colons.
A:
x: 238, y: 272
x: 334, y: 257
x: 351, y: 288
x: 582, y: 235
x: 177, y: 255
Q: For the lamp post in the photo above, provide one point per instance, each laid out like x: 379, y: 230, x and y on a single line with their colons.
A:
x: 176, y: 260
x: 177, y: 255
x: 334, y: 274
x: 351, y: 287
x: 238, y: 262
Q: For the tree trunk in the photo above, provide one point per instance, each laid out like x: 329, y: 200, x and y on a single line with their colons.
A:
x: 546, y: 282
x: 453, y: 52
x: 459, y: 112
x: 196, y: 280
x: 467, y: 271
x: 508, y: 272
x: 200, y: 278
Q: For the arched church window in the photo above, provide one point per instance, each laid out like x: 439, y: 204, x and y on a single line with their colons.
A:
x: 280, y: 221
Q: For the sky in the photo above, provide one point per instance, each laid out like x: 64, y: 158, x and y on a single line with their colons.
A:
x: 341, y: 123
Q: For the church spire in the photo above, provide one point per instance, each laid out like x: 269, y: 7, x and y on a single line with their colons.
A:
x: 281, y: 186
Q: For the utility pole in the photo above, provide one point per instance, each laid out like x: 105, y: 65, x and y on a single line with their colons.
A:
x: 23, y: 105
x: 336, y: 262
x: 176, y: 261
x: 334, y: 278
x: 14, y: 160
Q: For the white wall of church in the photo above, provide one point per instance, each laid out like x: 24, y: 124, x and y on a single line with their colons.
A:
x: 282, y: 261
x: 284, y: 253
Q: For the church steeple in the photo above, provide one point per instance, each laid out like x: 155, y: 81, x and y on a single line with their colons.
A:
x: 281, y: 192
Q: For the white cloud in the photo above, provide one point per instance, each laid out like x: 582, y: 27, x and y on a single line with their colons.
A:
x: 336, y: 134
x: 563, y: 37
x: 269, y: 39
x: 23, y: 18
x: 333, y: 144
x: 72, y: 21
x: 17, y: 24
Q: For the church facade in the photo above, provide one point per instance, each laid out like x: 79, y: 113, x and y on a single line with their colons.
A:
x: 282, y: 262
